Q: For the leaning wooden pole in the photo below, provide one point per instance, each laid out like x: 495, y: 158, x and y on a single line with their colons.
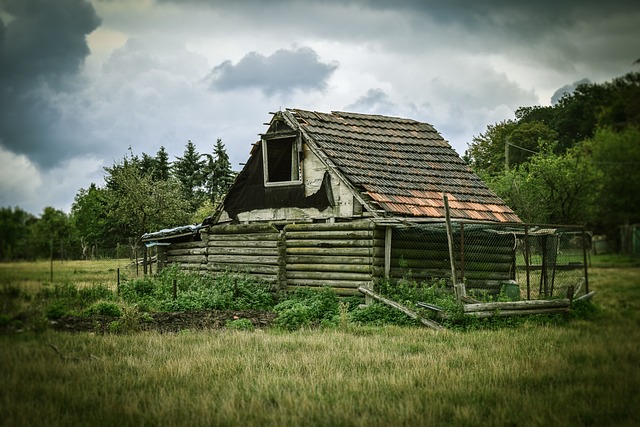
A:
x: 402, y: 308
x: 459, y: 288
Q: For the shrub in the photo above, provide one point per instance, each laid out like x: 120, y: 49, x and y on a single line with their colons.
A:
x: 308, y: 307
x: 239, y: 325
x: 103, y: 308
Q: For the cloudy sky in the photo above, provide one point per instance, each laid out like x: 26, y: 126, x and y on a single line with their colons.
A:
x: 82, y: 81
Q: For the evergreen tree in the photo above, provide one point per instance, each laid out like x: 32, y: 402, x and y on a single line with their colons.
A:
x: 219, y: 175
x: 162, y: 165
x: 189, y: 171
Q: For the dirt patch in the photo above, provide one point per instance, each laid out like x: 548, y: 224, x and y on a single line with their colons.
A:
x: 168, y: 322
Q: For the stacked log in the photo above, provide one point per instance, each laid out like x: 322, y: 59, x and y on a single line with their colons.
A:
x: 190, y: 256
x: 344, y: 256
x: 251, y: 248
x: 517, y: 308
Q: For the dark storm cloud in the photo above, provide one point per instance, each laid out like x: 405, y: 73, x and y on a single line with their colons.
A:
x: 281, y: 72
x: 42, y: 47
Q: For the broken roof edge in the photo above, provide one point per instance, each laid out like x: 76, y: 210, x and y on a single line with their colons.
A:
x: 167, y: 233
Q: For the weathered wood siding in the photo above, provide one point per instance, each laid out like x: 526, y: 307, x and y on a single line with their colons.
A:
x: 253, y: 249
x: 190, y: 256
x: 341, y: 255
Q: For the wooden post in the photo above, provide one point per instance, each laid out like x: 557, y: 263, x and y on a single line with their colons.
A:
x: 526, y: 260
x: 387, y: 251
x: 51, y: 264
x: 459, y: 288
x: 118, y: 280
x: 584, y: 260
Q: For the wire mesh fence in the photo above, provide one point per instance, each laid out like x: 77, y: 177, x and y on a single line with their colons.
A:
x: 527, y: 261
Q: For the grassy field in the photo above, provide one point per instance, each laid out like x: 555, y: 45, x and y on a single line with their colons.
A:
x: 584, y: 372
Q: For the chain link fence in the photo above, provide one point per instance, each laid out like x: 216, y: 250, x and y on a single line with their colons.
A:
x: 526, y: 261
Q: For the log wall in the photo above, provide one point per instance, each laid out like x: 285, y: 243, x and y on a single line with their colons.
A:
x: 344, y: 256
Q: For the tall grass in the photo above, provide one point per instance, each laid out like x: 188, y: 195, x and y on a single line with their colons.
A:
x: 581, y: 373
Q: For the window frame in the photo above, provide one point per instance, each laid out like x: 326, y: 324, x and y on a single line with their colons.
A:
x: 296, y: 162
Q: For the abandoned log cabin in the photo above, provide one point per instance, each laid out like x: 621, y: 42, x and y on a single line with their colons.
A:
x: 344, y: 199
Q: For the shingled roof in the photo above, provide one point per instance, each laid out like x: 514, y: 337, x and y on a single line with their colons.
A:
x: 400, y: 165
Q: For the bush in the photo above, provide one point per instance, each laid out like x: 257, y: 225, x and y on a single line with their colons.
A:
x: 103, y: 308
x: 308, y: 307
x: 226, y: 291
x: 240, y: 325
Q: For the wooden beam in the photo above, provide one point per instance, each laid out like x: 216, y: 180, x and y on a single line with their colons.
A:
x: 459, y: 288
x: 430, y: 323
x: 387, y: 251
x: 517, y: 305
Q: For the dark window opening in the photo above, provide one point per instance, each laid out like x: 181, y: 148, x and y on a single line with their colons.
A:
x: 281, y: 160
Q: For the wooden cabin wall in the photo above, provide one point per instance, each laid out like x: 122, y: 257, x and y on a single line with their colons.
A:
x: 252, y: 248
x: 341, y: 255
x: 484, y: 259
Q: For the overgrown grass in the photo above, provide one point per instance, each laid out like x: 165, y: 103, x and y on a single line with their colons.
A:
x: 583, y: 372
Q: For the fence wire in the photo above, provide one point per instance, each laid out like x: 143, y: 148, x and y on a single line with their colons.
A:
x: 537, y: 261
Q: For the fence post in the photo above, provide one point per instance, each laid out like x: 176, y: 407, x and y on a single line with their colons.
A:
x: 118, y: 280
x: 526, y: 259
x: 458, y: 288
x: 584, y: 260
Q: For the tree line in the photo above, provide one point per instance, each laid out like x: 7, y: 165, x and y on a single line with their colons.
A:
x: 139, y: 194
x: 575, y: 162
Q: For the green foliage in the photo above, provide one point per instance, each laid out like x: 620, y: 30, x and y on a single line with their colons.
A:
x: 103, y: 308
x: 308, y: 308
x: 65, y: 298
x: 189, y: 172
x: 14, y: 233
x: 132, y: 320
x: 225, y: 291
x: 239, y: 325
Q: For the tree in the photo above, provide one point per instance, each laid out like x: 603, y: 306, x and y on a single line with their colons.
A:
x: 189, y: 171
x: 617, y: 156
x: 162, y: 169
x: 52, y: 234
x: 219, y: 175
x: 551, y: 188
x: 14, y: 233
x: 138, y: 204
x: 91, y: 218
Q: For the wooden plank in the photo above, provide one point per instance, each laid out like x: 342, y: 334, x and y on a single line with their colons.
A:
x: 244, y: 259
x: 242, y: 229
x: 318, y: 259
x: 459, y: 287
x: 344, y: 251
x: 438, y: 254
x: 193, y: 251
x: 189, y: 259
x: 506, y: 313
x: 585, y: 297
x: 328, y: 275
x: 333, y: 243
x: 387, y: 251
x: 188, y: 245
x: 243, y: 237
x: 246, y: 268
x: 219, y: 250
x: 271, y: 243
x: 331, y: 283
x: 343, y: 292
x: 331, y: 234
x: 402, y: 308
x: 346, y: 268
x: 336, y: 226
x: 517, y: 305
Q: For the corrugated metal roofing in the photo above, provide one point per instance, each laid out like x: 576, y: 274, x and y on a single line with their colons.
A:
x: 402, y: 165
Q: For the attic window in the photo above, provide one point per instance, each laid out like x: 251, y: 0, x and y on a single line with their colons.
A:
x: 281, y: 161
